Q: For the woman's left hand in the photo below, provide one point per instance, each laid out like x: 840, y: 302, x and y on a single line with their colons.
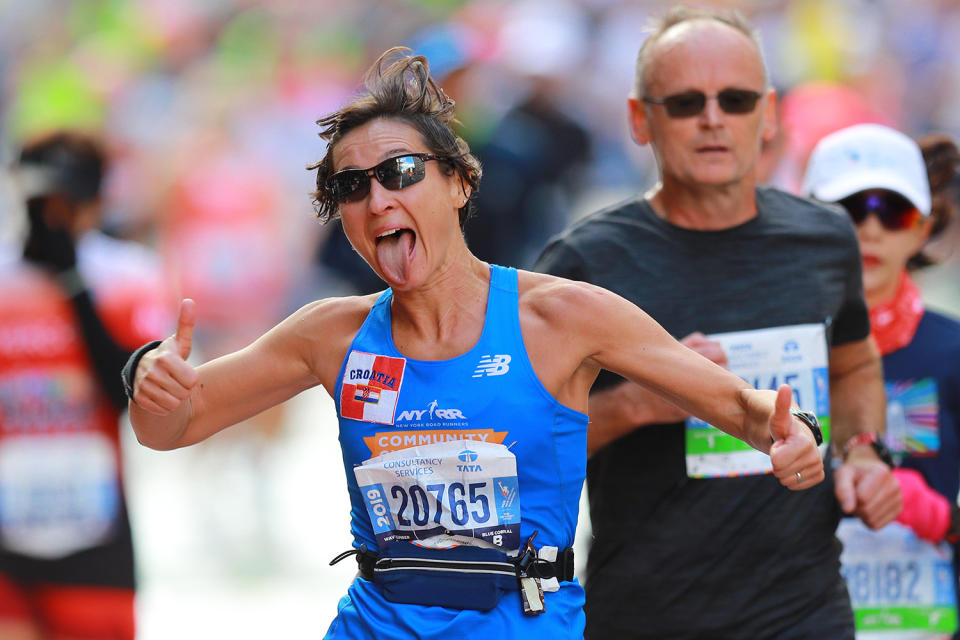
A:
x: 794, y: 454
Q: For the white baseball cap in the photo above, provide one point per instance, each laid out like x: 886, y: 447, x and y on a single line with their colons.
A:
x: 867, y: 156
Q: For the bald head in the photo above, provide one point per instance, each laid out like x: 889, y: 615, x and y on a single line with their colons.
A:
x: 711, y: 31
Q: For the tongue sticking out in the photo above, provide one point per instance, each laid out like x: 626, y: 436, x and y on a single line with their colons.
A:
x: 394, y: 253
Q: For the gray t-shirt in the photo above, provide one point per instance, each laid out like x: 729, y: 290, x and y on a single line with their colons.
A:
x: 674, y: 557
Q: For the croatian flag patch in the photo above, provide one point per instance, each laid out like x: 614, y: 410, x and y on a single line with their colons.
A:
x: 371, y: 387
x: 367, y: 394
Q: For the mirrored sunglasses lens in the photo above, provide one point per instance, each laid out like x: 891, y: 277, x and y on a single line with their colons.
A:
x: 349, y: 186
x: 685, y: 105
x: 397, y: 173
x: 737, y: 101
x: 893, y: 212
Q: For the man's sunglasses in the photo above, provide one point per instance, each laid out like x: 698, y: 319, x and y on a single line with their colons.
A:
x: 398, y: 172
x: 893, y: 211
x: 692, y: 103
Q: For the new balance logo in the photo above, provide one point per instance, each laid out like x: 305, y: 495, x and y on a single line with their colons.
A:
x: 492, y: 366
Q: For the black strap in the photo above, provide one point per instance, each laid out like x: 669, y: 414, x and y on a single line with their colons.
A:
x: 561, y: 569
x: 130, y: 368
x: 365, y: 560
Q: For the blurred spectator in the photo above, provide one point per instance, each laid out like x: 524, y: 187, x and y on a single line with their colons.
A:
x: 535, y: 161
x: 71, y: 311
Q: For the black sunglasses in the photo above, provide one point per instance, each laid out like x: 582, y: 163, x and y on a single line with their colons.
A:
x: 692, y: 103
x: 893, y: 211
x: 398, y: 172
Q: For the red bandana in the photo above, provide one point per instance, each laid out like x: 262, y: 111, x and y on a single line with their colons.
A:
x: 894, y: 323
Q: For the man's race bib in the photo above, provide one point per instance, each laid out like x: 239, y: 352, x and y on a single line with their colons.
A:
x: 766, y: 358
x: 913, y: 417
x: 443, y: 494
x: 900, y: 586
x: 58, y: 494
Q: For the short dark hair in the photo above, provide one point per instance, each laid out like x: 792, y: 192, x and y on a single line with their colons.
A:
x: 399, y: 87
x: 941, y: 156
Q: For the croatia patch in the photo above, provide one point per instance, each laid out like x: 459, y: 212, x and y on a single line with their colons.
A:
x: 371, y: 387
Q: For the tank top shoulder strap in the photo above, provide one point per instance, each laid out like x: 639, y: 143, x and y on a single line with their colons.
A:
x: 502, y: 323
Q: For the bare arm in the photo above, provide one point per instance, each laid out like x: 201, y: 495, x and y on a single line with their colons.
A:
x: 617, y: 411
x: 857, y: 397
x: 865, y: 486
x: 633, y: 345
x: 606, y: 331
x: 175, y: 404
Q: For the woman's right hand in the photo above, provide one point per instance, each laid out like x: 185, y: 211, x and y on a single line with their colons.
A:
x: 164, y: 379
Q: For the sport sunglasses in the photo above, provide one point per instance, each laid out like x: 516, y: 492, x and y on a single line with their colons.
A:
x: 398, y: 172
x: 893, y: 211
x: 692, y: 103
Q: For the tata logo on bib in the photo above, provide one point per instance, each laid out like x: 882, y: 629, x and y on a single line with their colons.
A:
x: 495, y: 365
x: 467, y: 457
x: 791, y: 352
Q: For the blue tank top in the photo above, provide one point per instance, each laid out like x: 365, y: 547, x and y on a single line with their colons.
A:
x: 387, y: 402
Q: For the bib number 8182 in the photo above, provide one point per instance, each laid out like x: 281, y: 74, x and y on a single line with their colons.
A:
x: 891, y: 582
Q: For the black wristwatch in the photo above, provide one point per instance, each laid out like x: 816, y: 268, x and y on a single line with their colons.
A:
x: 879, y: 447
x: 810, y: 419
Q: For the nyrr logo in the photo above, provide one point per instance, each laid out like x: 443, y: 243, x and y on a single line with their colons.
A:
x: 430, y: 413
x: 492, y: 366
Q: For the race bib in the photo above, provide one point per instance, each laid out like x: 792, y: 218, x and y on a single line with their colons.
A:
x: 58, y: 494
x: 444, y: 494
x: 900, y: 586
x: 766, y: 358
x: 913, y: 417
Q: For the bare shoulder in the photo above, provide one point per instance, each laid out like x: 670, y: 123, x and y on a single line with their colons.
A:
x: 321, y: 332
x: 586, y: 317
x: 559, y: 323
x: 561, y: 301
x: 330, y: 316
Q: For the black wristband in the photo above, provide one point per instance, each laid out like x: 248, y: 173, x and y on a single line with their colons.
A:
x: 810, y: 419
x: 130, y: 369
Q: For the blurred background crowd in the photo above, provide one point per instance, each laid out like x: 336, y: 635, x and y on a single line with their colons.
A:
x: 207, y: 111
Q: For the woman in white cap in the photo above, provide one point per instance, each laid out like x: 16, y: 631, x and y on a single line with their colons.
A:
x: 900, y: 194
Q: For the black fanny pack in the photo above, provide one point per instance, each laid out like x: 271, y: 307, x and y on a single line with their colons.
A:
x: 462, y: 577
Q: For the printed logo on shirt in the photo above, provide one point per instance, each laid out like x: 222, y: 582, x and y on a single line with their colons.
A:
x: 913, y: 417
x: 495, y: 365
x: 791, y: 352
x: 387, y: 441
x: 371, y: 387
x: 434, y: 416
